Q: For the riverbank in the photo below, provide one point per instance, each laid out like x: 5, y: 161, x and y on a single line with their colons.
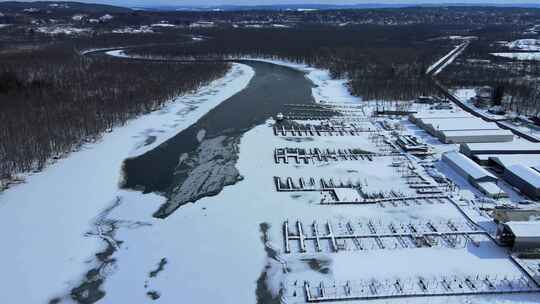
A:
x: 229, y: 248
x: 214, y: 248
x: 51, y: 213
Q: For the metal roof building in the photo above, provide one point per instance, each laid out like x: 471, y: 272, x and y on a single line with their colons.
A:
x: 476, y: 136
x: 526, y: 179
x: 479, y: 177
x: 459, y: 127
x: 475, y: 149
x: 522, y: 236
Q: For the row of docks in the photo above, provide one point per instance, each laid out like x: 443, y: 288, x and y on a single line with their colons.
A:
x: 422, y: 184
x: 342, y: 109
x: 419, y: 286
x: 351, y: 192
x: 350, y: 129
x: 377, y: 235
x: 392, y: 200
x: 311, y: 184
x: 307, y: 156
x: 352, y: 116
x: 312, y: 112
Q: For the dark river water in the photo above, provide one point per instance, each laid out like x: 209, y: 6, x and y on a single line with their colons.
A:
x: 158, y: 170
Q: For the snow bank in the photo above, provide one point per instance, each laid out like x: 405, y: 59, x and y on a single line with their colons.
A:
x: 48, y: 216
x: 519, y: 56
x: 62, y: 29
x: 326, y: 89
x: 525, y: 45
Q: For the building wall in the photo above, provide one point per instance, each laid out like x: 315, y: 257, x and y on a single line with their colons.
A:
x: 521, y: 184
x: 476, y: 139
x: 455, y: 167
x: 526, y: 243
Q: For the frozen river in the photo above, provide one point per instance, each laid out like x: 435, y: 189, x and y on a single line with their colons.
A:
x: 201, y: 159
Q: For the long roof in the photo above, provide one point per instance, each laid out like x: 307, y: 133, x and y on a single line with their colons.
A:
x: 441, y: 114
x: 525, y: 229
x: 507, y: 160
x: 527, y: 174
x: 457, y: 124
x: 487, y: 132
x: 513, y: 146
x: 474, y: 170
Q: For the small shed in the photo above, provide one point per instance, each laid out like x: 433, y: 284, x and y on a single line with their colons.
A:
x: 522, y: 236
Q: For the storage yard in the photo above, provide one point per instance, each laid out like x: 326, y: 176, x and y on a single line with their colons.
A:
x: 393, y: 192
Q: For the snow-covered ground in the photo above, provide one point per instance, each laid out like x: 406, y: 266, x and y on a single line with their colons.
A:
x: 49, y: 215
x: 143, y: 29
x: 519, y: 56
x: 62, y: 29
x: 226, y: 248
x: 215, y: 250
x: 525, y: 45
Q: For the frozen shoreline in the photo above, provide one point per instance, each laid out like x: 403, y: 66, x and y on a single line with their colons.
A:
x: 52, y: 211
x: 216, y: 243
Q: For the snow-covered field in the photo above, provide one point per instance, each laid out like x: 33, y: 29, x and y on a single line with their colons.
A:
x: 525, y: 45
x: 62, y: 29
x: 49, y: 215
x: 215, y: 250
x: 226, y: 248
x: 519, y: 56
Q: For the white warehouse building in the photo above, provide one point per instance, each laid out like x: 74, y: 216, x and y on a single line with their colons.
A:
x: 479, y: 177
x: 460, y: 127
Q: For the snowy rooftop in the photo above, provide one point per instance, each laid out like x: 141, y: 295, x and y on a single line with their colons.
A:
x: 530, y: 175
x: 507, y: 160
x: 441, y: 114
x: 516, y: 145
x: 455, y: 124
x: 491, y: 188
x: 474, y: 170
x: 525, y: 229
x: 477, y: 132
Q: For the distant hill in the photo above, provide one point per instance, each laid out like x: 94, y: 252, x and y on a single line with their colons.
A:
x: 307, y: 7
x: 61, y: 6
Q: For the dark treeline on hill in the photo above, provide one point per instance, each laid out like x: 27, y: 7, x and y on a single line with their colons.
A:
x: 518, y: 81
x: 384, y: 63
x: 52, y: 99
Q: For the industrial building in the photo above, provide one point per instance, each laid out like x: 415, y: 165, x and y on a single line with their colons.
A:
x: 521, y: 236
x: 504, y: 214
x: 476, y: 136
x: 475, y: 150
x: 460, y: 127
x: 526, y: 179
x: 479, y: 177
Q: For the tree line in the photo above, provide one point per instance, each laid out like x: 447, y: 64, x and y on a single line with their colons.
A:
x: 516, y: 82
x: 381, y: 62
x: 53, y: 100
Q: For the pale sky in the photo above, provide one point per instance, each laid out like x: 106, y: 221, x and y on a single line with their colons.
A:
x: 266, y: 2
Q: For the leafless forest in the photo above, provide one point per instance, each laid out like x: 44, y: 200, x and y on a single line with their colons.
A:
x: 381, y: 62
x: 53, y: 100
